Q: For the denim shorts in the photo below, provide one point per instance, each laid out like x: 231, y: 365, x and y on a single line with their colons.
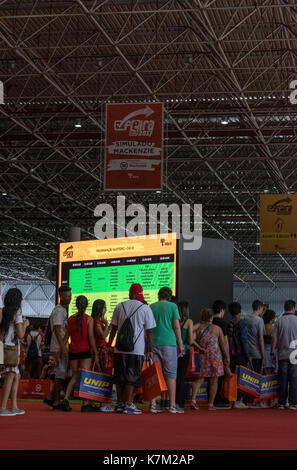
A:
x: 167, y: 358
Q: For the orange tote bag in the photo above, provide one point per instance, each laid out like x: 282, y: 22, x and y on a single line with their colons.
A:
x: 153, y: 382
x: 229, y: 387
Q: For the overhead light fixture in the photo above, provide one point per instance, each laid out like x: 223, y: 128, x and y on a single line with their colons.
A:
x: 78, y: 124
x: 224, y: 121
x: 4, y: 194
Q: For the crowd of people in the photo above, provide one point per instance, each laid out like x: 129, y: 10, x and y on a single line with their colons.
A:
x: 162, y: 332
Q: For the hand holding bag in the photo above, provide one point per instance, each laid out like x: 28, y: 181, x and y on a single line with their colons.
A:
x: 10, y: 354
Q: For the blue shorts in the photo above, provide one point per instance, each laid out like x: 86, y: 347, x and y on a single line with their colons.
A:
x: 167, y: 358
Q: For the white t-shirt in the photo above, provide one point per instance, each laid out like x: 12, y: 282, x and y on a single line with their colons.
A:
x: 58, y: 317
x: 32, y: 337
x: 142, y: 320
x: 11, y: 338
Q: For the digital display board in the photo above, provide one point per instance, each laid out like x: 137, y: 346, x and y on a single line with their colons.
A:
x: 105, y: 269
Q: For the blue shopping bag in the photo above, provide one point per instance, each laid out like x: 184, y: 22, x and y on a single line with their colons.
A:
x: 93, y: 386
x: 201, y: 395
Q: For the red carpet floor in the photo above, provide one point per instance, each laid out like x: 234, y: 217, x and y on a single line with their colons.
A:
x: 43, y: 429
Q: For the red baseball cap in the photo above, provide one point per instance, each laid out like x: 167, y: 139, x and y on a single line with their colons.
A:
x: 137, y: 291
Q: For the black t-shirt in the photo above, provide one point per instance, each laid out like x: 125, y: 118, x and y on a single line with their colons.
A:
x: 223, y: 325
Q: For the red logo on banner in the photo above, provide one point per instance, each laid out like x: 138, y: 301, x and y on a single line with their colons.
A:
x: 134, y: 146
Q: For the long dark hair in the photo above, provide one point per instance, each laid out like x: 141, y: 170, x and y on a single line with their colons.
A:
x: 81, y: 304
x: 183, y: 308
x: 12, y: 303
x: 97, y: 308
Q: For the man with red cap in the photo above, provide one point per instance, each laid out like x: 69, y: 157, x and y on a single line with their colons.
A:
x: 128, y: 363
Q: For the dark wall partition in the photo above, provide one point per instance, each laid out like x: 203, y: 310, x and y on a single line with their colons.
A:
x: 206, y: 274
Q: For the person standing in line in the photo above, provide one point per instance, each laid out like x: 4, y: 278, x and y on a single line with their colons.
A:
x: 34, y: 343
x: 101, y: 331
x: 81, y: 333
x: 168, y: 345
x: 128, y: 363
x: 238, y: 345
x: 12, y: 330
x: 269, y: 322
x: 284, y: 338
x: 210, y: 338
x: 58, y: 348
x: 219, y: 309
x: 256, y: 332
x: 186, y: 325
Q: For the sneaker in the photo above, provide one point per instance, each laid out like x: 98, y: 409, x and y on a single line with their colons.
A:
x: 264, y: 404
x: 6, y: 413
x: 155, y: 409
x: 240, y: 405
x: 254, y: 405
x: 281, y: 407
x: 166, y: 404
x: 179, y: 409
x: 17, y: 411
x: 89, y: 409
x: 132, y: 410
x: 48, y: 401
x: 223, y: 406
x: 119, y: 408
x: 64, y: 405
x: 61, y: 407
x: 176, y: 409
x: 293, y: 407
x: 106, y: 409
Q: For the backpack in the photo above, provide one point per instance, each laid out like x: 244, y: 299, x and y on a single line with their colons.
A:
x: 125, y: 335
x: 33, y: 348
x: 235, y: 347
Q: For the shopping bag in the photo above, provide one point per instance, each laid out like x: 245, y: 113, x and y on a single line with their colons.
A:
x: 139, y: 390
x: 152, y: 381
x: 34, y: 388
x: 93, y: 386
x: 194, y: 373
x: 248, y: 381
x: 191, y: 363
x: 201, y: 396
x: 269, y: 388
x: 229, y: 387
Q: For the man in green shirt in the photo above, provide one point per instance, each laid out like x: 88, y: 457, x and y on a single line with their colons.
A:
x: 167, y: 340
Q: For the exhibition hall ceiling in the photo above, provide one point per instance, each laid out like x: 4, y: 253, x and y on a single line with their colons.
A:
x: 223, y: 70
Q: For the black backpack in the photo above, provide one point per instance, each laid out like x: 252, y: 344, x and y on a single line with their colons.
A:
x: 33, y: 348
x: 125, y: 335
x: 235, y: 347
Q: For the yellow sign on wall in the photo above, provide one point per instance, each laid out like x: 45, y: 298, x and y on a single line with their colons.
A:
x: 278, y: 223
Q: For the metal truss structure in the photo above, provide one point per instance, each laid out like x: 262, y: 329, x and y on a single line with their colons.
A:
x: 222, y: 68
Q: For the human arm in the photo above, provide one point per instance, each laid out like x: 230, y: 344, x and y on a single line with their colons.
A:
x: 62, y: 340
x: 20, y: 328
x: 91, y: 339
x: 222, y: 344
x: 113, y: 332
x: 102, y: 333
x: 192, y: 336
x: 149, y: 339
x: 177, y: 331
x: 261, y: 334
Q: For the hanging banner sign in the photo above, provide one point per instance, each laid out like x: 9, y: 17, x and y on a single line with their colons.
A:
x: 133, y: 147
x: 278, y: 223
